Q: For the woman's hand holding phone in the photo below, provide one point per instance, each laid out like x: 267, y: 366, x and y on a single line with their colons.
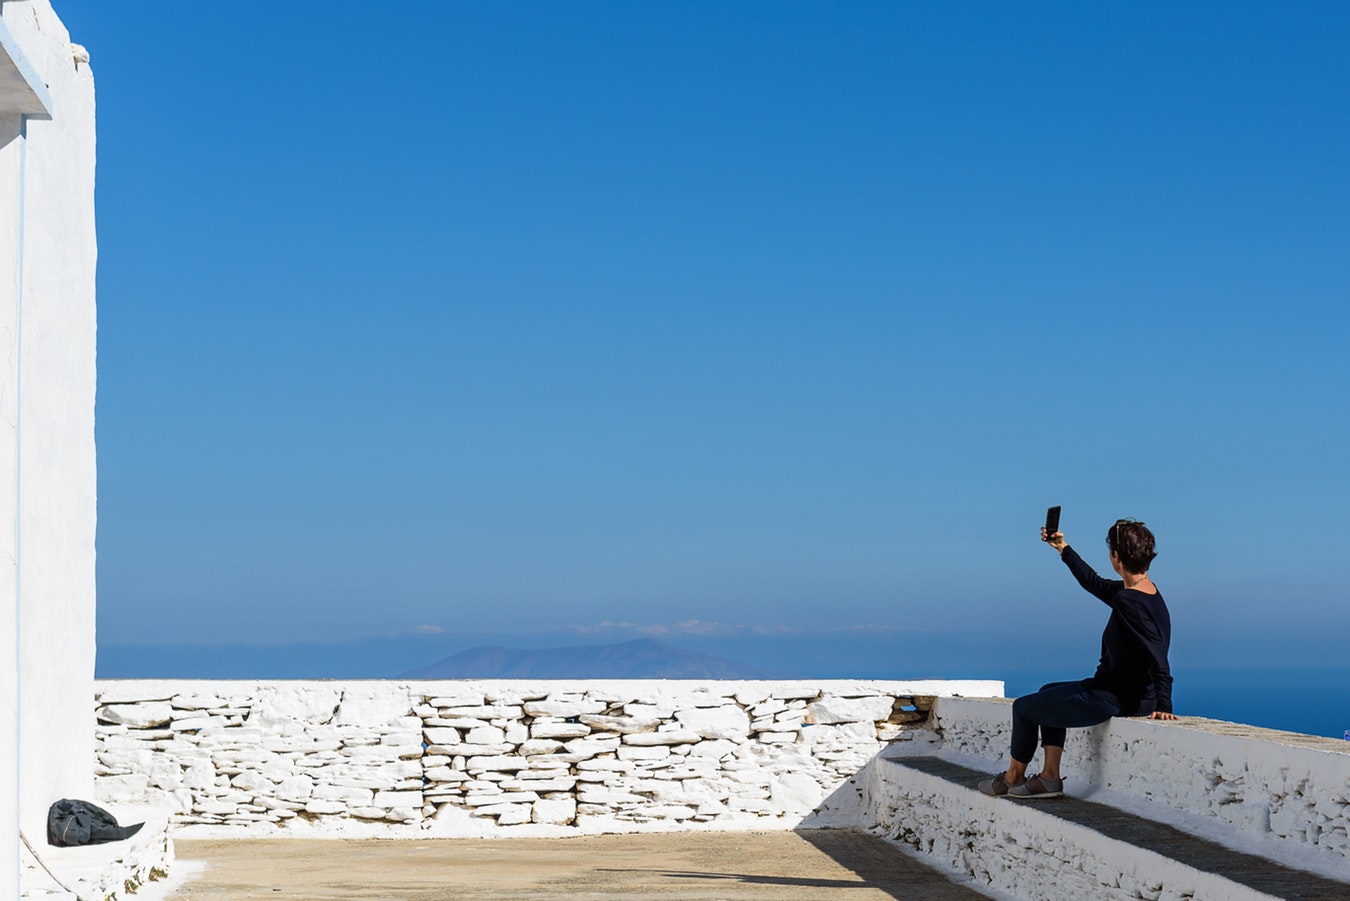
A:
x: 1055, y: 540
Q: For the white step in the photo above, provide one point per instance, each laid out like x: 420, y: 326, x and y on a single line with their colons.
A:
x: 1068, y: 848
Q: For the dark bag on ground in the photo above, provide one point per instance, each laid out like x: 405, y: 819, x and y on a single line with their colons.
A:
x: 81, y: 823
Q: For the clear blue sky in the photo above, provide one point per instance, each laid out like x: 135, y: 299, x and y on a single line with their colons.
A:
x: 512, y: 317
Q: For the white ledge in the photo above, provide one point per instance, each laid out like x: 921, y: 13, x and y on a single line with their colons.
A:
x: 21, y: 90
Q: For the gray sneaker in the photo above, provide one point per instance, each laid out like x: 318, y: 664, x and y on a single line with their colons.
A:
x: 1036, y: 787
x: 995, y: 786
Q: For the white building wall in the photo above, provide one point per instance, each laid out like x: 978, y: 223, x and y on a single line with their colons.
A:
x: 9, y: 636
x: 47, y: 462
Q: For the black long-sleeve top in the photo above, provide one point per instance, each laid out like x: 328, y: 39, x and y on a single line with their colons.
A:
x: 1134, y: 644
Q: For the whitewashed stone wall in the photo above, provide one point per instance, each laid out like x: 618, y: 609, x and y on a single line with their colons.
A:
x: 1275, y: 794
x: 494, y: 757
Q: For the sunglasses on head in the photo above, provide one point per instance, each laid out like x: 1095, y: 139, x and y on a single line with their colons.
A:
x: 1113, y: 540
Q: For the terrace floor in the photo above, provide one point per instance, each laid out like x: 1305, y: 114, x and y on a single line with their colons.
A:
x: 705, y: 866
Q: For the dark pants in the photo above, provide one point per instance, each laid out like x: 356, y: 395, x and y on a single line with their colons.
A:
x: 1055, y: 708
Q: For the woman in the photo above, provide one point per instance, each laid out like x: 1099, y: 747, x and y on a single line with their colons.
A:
x: 1132, y: 679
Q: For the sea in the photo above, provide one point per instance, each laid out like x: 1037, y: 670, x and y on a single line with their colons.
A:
x: 1310, y: 700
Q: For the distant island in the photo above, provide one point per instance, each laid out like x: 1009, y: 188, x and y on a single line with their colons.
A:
x: 644, y: 658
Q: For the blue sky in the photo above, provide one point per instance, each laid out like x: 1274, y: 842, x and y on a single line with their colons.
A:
x: 515, y: 317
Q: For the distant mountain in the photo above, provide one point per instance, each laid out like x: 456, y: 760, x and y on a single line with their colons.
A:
x: 644, y: 658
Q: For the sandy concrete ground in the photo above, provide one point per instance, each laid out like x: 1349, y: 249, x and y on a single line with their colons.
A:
x: 784, y: 866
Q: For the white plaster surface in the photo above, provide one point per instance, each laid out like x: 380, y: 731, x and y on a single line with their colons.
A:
x: 1018, y: 850
x: 47, y: 469
x: 493, y: 757
x: 1278, y: 795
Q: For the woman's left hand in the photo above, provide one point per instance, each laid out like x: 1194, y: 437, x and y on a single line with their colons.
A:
x: 1162, y: 715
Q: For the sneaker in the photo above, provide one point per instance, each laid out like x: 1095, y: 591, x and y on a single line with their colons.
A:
x: 995, y: 786
x: 1037, y: 787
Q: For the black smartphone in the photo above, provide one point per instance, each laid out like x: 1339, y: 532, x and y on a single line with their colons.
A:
x: 1051, y: 521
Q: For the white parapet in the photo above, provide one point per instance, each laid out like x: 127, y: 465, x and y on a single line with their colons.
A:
x: 1279, y: 795
x: 487, y: 758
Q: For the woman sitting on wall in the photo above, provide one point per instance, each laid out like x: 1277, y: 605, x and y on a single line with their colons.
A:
x: 1132, y: 679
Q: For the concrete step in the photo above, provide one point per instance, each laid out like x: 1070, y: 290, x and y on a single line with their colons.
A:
x: 1062, y: 848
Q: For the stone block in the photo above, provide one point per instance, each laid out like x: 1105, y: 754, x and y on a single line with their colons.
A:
x: 557, y: 813
x: 507, y: 814
x: 390, y: 799
x: 445, y: 774
x: 500, y: 764
x: 728, y: 722
x: 296, y: 788
x: 484, y: 712
x: 146, y: 715
x: 621, y: 724
x: 190, y: 724
x: 668, y: 812
x: 795, y: 793
x: 442, y: 736
x: 556, y: 784
x: 665, y: 737
x: 539, y: 746
x: 486, y: 735
x: 135, y: 691
x: 831, y: 710
x: 570, y: 707
x: 304, y: 701
x: 559, y: 730
x: 351, y: 797
x: 659, y: 752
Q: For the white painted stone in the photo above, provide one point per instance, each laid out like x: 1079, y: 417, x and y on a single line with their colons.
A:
x: 558, y: 813
x: 297, y: 788
x: 795, y: 793
x: 663, y: 737
x: 135, y: 691
x: 539, y: 746
x: 137, y: 716
x: 829, y: 710
x: 621, y: 724
x: 486, y: 735
x: 508, y: 814
x: 501, y: 764
x: 571, y: 707
x: 397, y: 799
x: 456, y: 696
x: 559, y: 730
x: 729, y: 723
x: 193, y: 701
x: 373, y: 703
x: 629, y: 752
x: 445, y: 774
x: 441, y: 736
x: 716, y: 749
x: 484, y: 712
x: 306, y: 701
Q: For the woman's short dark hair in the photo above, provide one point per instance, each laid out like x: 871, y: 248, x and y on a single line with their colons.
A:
x: 1133, y: 544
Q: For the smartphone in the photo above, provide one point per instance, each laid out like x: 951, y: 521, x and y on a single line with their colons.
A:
x: 1051, y: 521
